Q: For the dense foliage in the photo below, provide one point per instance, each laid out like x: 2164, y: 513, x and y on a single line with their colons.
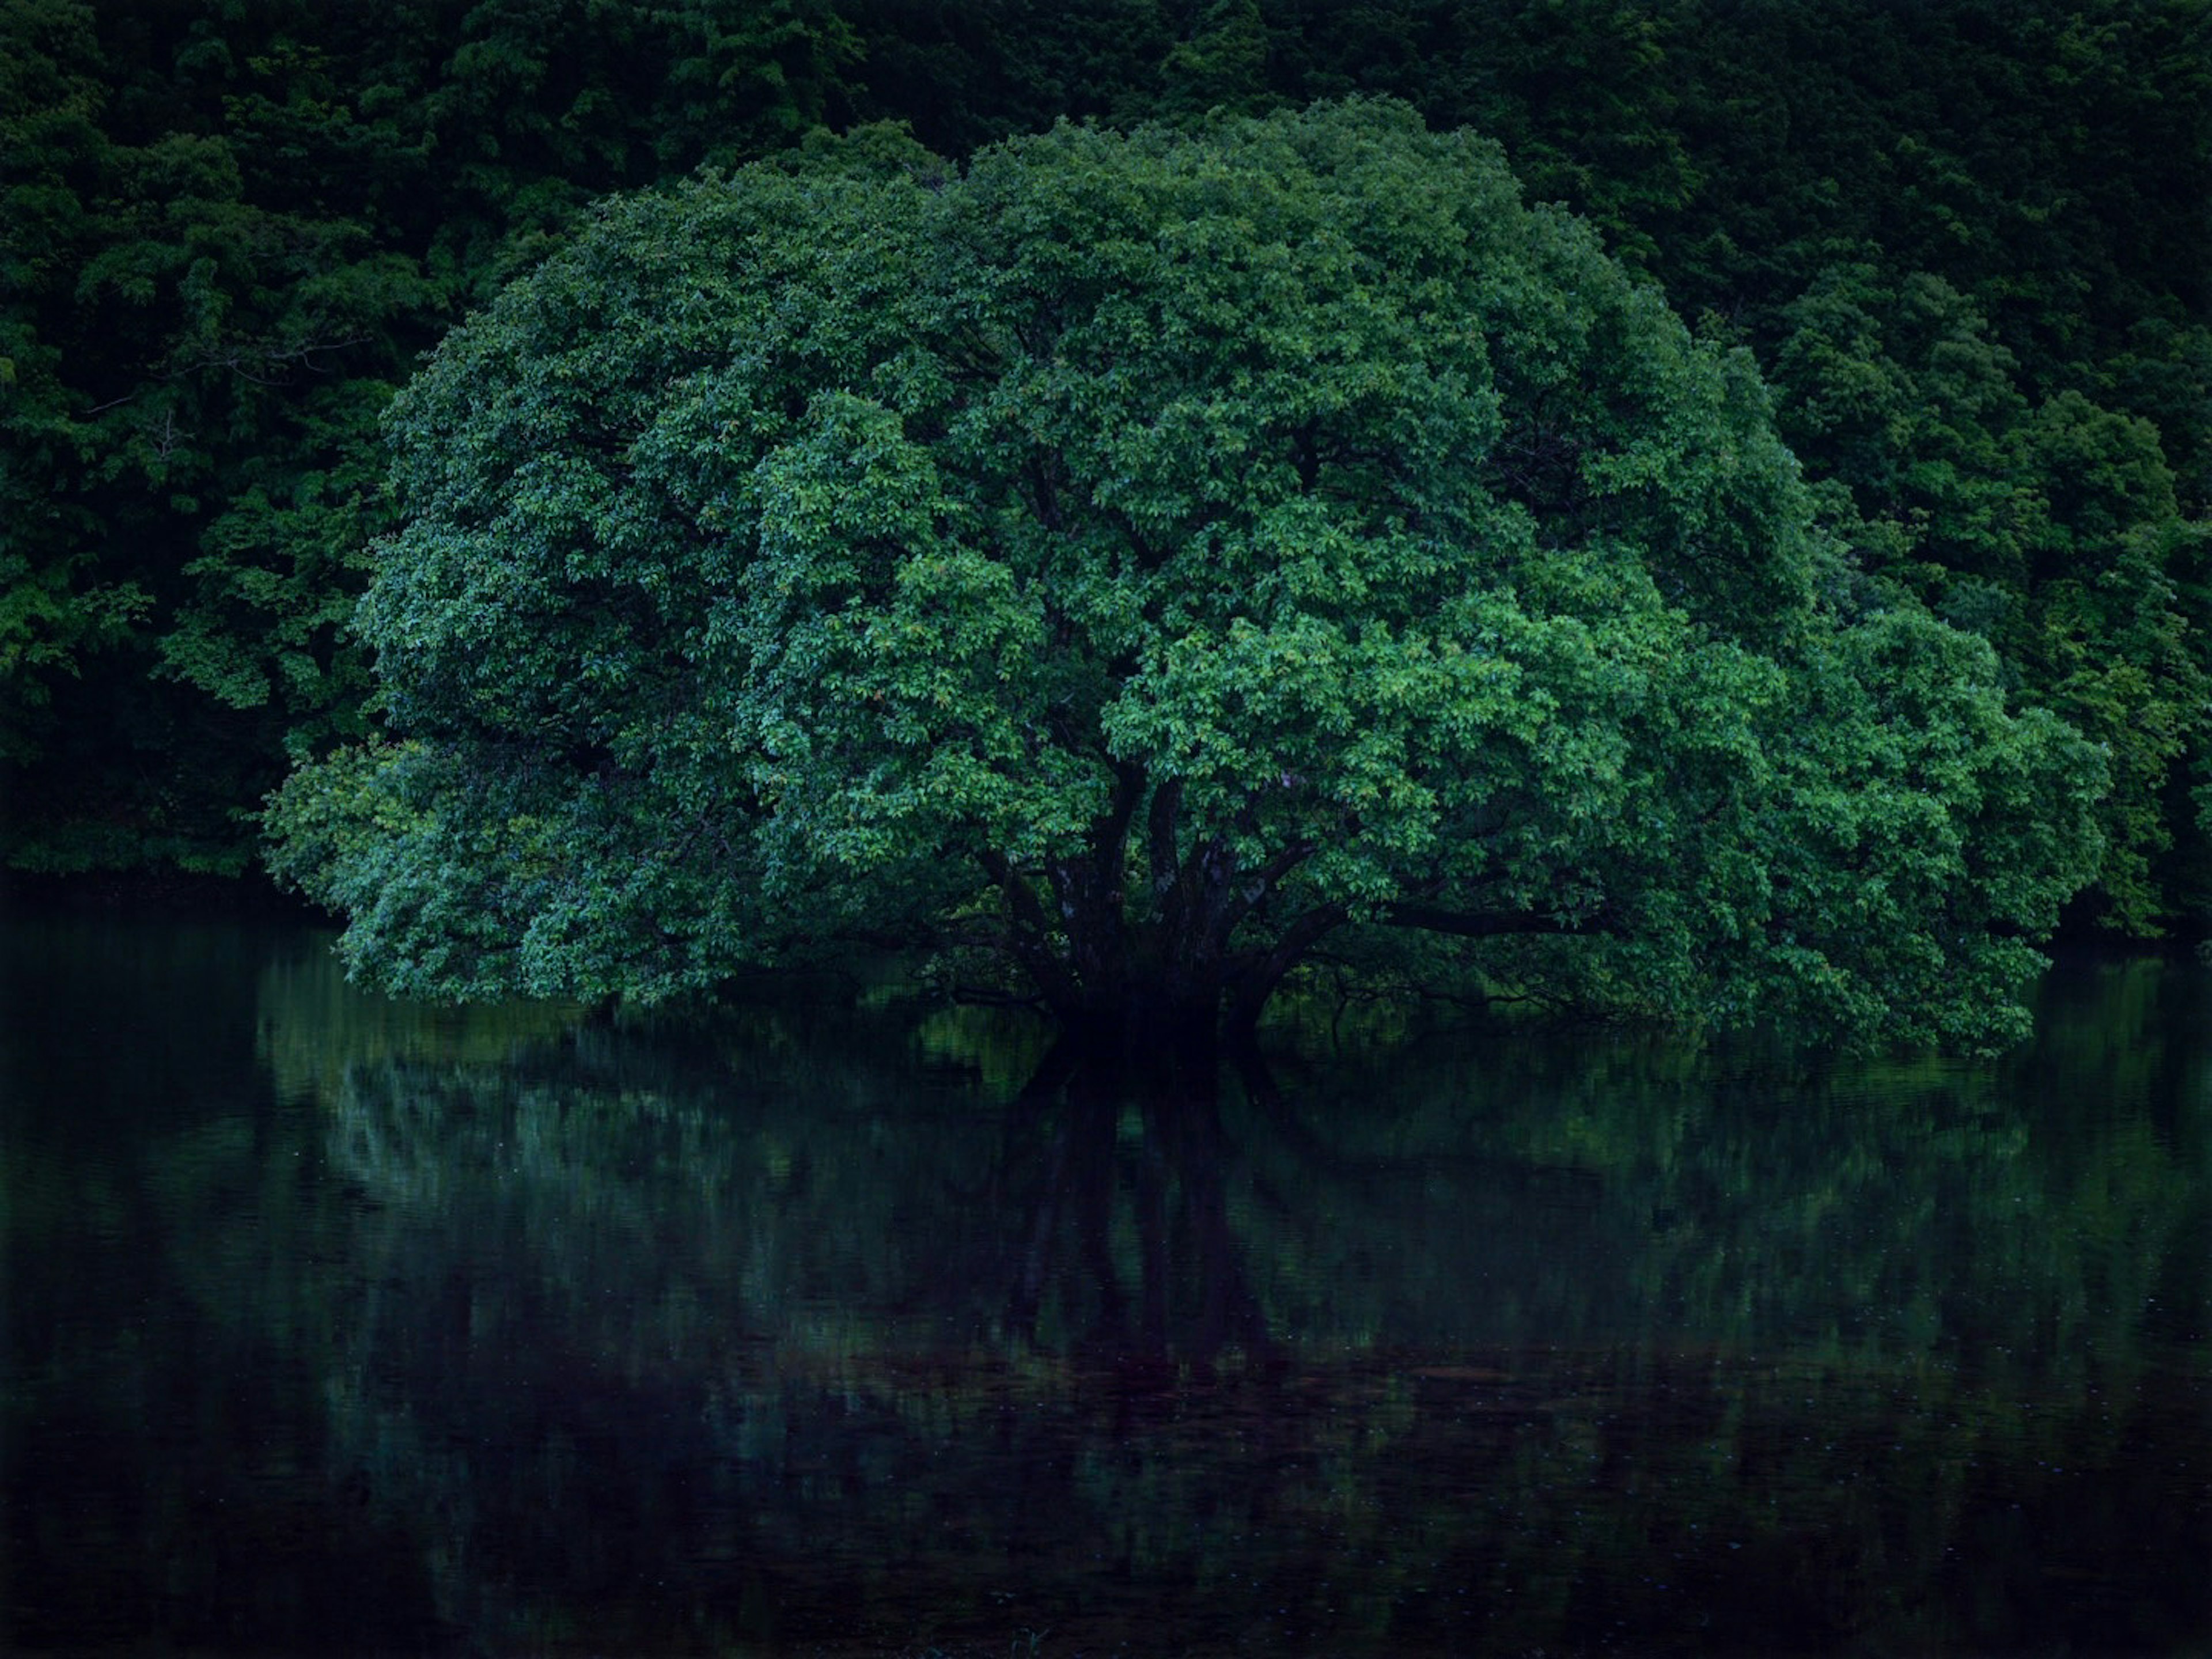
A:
x: 226, y: 233
x: 1967, y: 241
x: 1147, y: 558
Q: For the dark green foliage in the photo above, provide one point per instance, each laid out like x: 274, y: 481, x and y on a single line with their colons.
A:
x: 2052, y: 530
x: 1969, y: 241
x: 229, y: 233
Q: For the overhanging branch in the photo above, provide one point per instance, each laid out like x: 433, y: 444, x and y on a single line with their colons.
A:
x: 1255, y: 978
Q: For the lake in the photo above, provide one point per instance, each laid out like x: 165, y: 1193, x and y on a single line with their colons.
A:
x: 339, y: 1324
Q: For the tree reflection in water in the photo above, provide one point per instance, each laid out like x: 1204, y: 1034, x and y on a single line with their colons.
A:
x: 1542, y: 1349
x: 1150, y: 1153
x: 397, y: 1330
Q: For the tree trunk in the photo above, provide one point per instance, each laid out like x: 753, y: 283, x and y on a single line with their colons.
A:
x: 1154, y: 1027
x: 1142, y: 971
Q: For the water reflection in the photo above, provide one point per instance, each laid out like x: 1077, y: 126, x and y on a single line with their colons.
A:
x: 334, y: 1323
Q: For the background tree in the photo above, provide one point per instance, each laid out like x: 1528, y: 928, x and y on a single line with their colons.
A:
x: 1146, y: 558
x: 226, y: 232
x: 2052, y: 531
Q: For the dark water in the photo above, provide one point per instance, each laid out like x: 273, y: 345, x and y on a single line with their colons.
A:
x: 338, y: 1325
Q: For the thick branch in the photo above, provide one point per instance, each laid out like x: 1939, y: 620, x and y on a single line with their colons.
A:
x: 1251, y: 891
x: 1257, y: 979
x: 1113, y: 835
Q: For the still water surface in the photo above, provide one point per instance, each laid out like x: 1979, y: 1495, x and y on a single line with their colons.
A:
x: 335, y: 1324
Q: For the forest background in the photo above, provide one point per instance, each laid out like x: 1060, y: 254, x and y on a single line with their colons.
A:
x: 1970, y: 244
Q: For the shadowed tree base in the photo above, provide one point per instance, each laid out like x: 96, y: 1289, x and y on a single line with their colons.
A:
x: 1144, y: 1043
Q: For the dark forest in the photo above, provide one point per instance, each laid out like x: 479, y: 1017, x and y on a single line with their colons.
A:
x: 1969, y: 244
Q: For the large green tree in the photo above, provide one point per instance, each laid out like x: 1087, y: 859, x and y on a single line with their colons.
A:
x: 1147, y: 558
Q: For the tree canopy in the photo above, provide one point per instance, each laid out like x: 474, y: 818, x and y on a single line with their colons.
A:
x: 1146, y: 558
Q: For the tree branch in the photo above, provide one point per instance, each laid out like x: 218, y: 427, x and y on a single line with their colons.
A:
x: 1030, y: 941
x: 1160, y: 834
x: 1257, y: 980
x: 1113, y: 834
x: 1492, y: 924
x: 1248, y: 894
